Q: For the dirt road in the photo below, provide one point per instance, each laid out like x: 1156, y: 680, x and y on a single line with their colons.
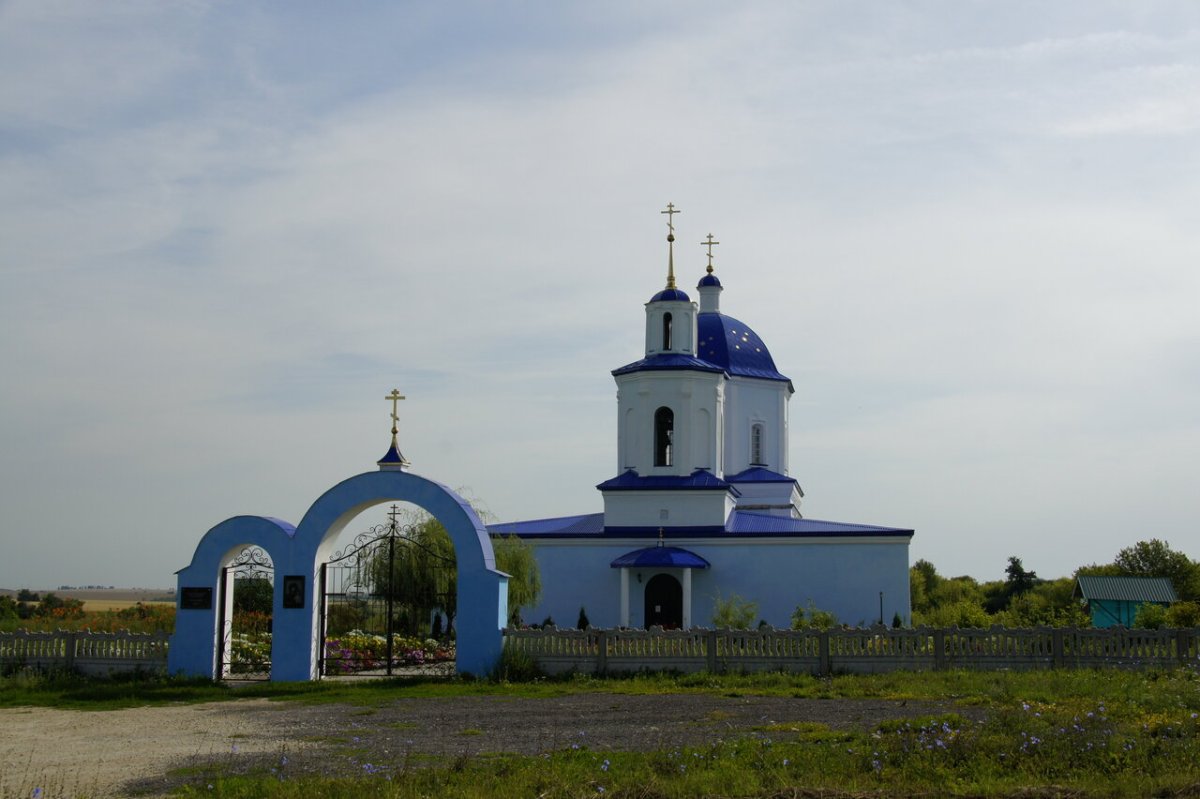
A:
x: 149, y: 750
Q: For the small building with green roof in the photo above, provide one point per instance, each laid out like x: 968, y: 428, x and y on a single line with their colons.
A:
x: 1115, y: 601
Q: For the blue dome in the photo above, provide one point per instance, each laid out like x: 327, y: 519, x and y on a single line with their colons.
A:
x: 708, y: 280
x: 670, y: 295
x: 732, y: 345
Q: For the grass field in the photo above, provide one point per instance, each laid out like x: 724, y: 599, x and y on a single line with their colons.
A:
x: 1108, y: 733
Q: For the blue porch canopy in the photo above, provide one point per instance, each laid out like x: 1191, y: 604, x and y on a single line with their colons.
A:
x: 660, y: 557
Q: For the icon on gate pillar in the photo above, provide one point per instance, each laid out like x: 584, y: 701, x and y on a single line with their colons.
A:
x: 293, y: 591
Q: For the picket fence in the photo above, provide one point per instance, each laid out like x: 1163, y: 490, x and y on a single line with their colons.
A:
x: 855, y: 651
x: 84, y: 651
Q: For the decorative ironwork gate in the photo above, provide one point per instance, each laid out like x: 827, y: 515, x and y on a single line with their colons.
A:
x: 245, y: 651
x: 370, y: 596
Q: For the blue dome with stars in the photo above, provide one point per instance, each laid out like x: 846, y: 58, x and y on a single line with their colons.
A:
x: 730, y: 344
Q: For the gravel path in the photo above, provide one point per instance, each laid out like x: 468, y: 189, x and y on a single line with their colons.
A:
x: 149, y: 750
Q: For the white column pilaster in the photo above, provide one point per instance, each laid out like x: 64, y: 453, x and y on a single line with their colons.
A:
x: 623, y: 621
x: 687, y: 599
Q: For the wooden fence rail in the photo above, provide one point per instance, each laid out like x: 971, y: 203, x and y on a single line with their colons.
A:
x: 858, y: 651
x: 85, y: 651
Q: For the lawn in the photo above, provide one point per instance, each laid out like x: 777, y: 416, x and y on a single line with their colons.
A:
x: 1049, y: 733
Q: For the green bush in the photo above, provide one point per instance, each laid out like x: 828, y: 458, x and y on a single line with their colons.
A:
x: 1150, y: 616
x: 515, y: 665
x: 812, y: 616
x: 733, y: 613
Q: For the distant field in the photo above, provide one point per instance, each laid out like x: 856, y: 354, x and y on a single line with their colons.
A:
x: 108, y: 598
x: 119, y: 604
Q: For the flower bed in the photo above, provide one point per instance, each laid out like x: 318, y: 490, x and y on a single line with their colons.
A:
x: 360, y: 651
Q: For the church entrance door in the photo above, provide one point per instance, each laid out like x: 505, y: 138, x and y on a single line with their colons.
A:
x: 664, y: 602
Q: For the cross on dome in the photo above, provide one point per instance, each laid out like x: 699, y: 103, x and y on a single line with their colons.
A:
x: 394, y: 459
x: 709, y: 244
x: 670, y: 212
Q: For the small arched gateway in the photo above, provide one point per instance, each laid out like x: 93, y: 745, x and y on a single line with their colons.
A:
x: 197, y: 646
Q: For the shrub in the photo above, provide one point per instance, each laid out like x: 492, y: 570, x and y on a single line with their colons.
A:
x: 1184, y: 614
x: 733, y: 613
x: 813, y: 617
x: 515, y: 665
x: 1150, y: 616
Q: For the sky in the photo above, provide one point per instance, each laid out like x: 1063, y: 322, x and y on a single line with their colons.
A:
x: 968, y: 231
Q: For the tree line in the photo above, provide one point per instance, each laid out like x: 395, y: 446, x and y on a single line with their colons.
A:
x: 1022, y: 599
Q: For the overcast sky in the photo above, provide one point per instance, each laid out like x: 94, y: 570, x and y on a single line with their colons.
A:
x: 968, y: 231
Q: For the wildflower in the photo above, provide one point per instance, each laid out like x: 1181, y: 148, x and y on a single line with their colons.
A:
x: 604, y: 765
x: 37, y: 793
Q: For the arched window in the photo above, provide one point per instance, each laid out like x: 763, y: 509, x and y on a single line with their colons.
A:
x: 664, y: 432
x: 756, y: 445
x: 666, y: 331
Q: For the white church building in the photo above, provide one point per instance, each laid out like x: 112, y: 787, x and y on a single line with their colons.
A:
x: 702, y: 505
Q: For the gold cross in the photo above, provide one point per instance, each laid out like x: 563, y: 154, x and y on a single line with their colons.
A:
x: 670, y: 212
x: 709, y: 244
x: 395, y: 397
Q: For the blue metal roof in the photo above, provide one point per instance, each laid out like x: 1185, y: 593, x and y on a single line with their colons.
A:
x: 733, y: 346
x: 748, y: 523
x: 759, y: 474
x: 740, y: 523
x: 585, y: 524
x: 670, y: 295
x: 668, y: 361
x: 660, y: 557
x: 630, y: 480
x: 708, y: 280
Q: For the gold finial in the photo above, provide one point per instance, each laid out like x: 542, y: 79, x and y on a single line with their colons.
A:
x: 670, y: 212
x: 395, y: 397
x: 709, y: 244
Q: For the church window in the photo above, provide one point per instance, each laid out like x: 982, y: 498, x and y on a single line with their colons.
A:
x: 664, y: 433
x: 666, y: 331
x: 756, y: 445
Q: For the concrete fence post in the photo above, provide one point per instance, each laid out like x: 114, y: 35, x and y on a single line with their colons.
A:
x: 69, y: 641
x: 825, y: 667
x: 939, y: 649
x: 710, y: 651
x: 602, y: 651
x: 1058, y: 655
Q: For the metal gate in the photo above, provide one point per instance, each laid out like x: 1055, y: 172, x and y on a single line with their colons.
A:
x: 245, y: 651
x: 384, y: 583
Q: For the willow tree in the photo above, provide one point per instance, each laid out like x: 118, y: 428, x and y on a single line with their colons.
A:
x: 424, y: 575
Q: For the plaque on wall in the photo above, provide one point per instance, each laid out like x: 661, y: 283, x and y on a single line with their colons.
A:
x: 196, y: 598
x: 293, y: 591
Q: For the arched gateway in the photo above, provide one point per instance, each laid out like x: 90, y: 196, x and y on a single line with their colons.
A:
x: 297, y: 552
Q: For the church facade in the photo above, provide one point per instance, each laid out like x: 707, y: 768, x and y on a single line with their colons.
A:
x: 702, y: 506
